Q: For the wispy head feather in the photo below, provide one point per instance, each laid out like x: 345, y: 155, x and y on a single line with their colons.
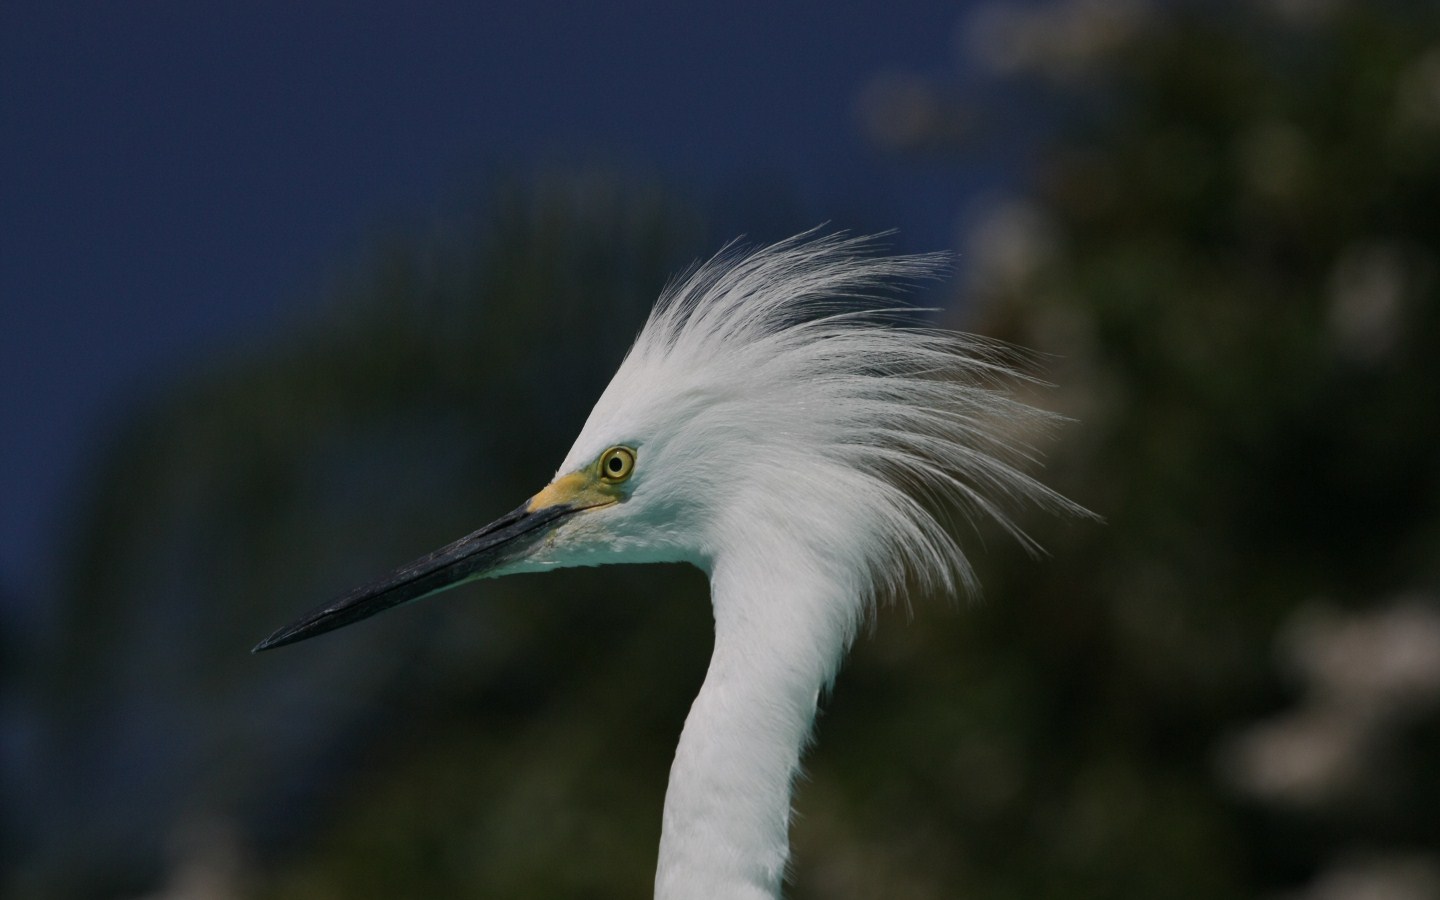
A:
x: 785, y: 393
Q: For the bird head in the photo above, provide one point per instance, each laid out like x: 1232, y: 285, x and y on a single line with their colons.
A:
x: 775, y: 405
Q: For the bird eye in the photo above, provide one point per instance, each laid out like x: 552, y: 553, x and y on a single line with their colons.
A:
x: 616, y: 464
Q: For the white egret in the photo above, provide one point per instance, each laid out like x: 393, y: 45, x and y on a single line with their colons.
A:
x: 776, y: 427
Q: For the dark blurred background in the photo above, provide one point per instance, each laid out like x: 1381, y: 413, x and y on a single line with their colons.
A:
x: 292, y: 293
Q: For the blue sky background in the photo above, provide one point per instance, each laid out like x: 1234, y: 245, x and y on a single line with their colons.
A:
x: 179, y: 179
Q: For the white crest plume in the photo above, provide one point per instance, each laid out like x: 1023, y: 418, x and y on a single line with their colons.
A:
x: 798, y: 358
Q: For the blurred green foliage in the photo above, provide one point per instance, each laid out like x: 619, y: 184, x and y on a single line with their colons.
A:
x: 1228, y: 239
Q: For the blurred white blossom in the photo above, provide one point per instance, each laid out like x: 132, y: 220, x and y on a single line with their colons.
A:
x: 1305, y: 13
x: 1414, y: 877
x: 1365, y: 675
x: 1007, y: 246
x: 1308, y: 758
x: 1417, y: 95
x: 206, y: 862
x: 1367, y: 286
x: 1381, y: 664
x: 904, y: 112
x: 1061, y: 39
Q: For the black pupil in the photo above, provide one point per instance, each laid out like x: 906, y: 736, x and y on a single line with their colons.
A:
x: 616, y: 464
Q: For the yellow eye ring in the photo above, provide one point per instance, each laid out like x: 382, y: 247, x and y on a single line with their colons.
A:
x: 616, y: 464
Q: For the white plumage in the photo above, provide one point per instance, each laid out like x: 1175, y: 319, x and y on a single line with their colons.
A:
x: 778, y: 425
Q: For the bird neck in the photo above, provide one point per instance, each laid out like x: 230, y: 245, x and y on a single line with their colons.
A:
x: 725, y: 834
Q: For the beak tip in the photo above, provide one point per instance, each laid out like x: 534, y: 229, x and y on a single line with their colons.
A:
x: 277, y: 639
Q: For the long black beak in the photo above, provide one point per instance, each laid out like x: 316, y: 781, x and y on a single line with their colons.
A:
x: 501, y: 541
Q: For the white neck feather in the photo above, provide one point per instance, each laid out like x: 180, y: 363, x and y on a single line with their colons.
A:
x: 727, y: 810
